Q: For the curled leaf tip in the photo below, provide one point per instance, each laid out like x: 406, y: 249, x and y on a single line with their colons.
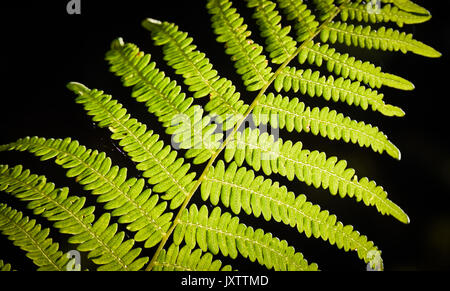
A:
x: 76, y: 87
x: 150, y: 23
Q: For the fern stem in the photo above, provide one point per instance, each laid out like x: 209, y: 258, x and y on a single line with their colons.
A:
x: 230, y: 136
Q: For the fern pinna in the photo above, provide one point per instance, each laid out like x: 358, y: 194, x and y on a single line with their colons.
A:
x: 149, y: 222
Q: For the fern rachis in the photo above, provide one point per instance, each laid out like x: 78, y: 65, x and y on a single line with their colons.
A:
x: 179, y: 229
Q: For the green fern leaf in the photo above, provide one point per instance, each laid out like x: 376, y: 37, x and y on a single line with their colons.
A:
x: 181, y: 55
x: 30, y: 237
x: 197, y: 234
x: 94, y: 170
x: 4, y: 267
x: 161, y: 95
x: 408, y: 5
x: 238, y: 188
x: 383, y: 39
x: 105, y: 246
x: 198, y: 72
x: 358, y: 11
x: 315, y: 52
x: 186, y: 259
x: 222, y: 232
x: 261, y: 151
x: 278, y: 42
x: 247, y: 55
x: 293, y: 114
x: 340, y: 64
x: 163, y: 98
x: 159, y: 163
x: 311, y: 83
x: 350, y: 67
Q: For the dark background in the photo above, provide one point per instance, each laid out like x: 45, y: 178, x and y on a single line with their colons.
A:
x: 45, y: 48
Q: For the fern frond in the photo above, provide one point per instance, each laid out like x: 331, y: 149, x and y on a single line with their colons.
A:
x: 222, y: 232
x: 159, y: 163
x: 181, y: 54
x: 314, y: 53
x: 261, y: 151
x: 198, y: 72
x: 353, y: 93
x: 359, y: 11
x: 127, y: 198
x: 293, y: 114
x: 53, y: 204
x: 162, y: 97
x: 239, y: 188
x: 199, y: 233
x: 247, y: 55
x: 30, y: 237
x: 349, y: 67
x: 186, y: 259
x: 105, y: 245
x: 408, y: 5
x: 4, y: 267
x: 381, y: 39
x: 340, y: 64
x: 279, y: 44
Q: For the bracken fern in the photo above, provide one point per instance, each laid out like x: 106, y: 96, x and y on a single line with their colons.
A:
x: 299, y: 57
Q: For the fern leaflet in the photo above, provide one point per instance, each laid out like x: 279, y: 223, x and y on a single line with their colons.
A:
x: 189, y: 237
x: 261, y: 151
x: 106, y: 247
x: 29, y: 236
x: 186, y: 259
x: 238, y: 188
x: 222, y: 232
x: 292, y: 114
x: 128, y: 198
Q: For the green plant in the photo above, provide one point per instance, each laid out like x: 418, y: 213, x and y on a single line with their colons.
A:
x: 157, y: 208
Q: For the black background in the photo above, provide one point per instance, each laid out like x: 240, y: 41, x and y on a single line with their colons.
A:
x: 44, y: 48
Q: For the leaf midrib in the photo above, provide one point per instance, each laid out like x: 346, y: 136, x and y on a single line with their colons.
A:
x: 328, y: 123
x: 372, y: 100
x: 231, y: 136
x: 372, y: 36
